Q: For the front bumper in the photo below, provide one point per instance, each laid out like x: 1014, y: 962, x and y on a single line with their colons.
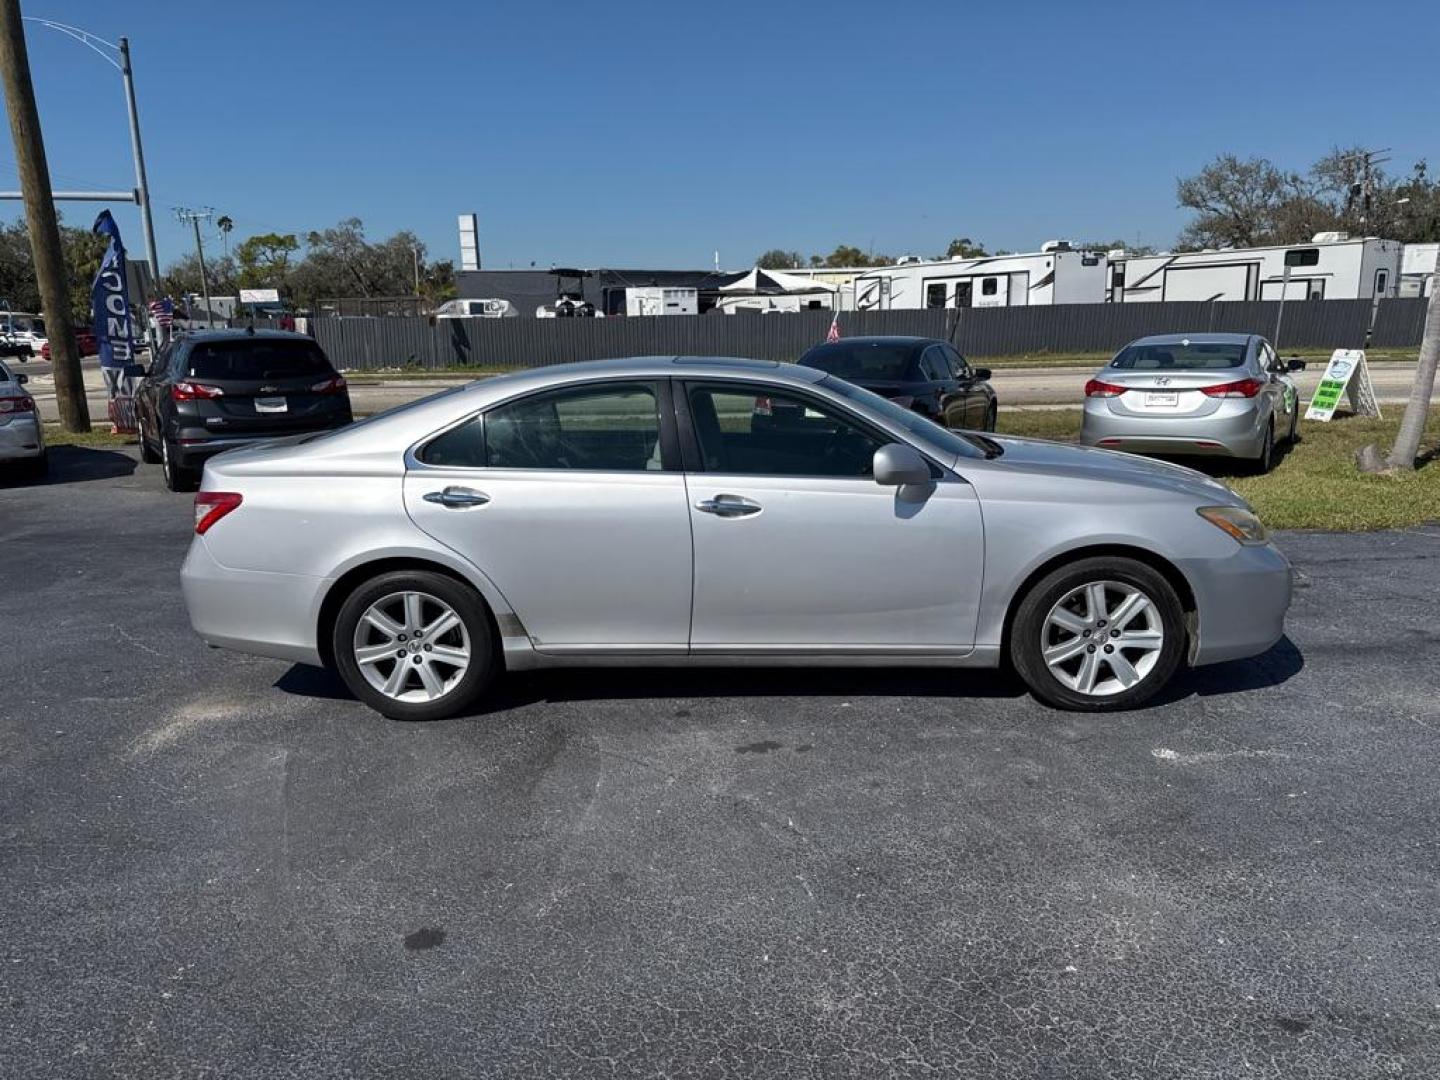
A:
x: 1241, y: 602
x: 21, y: 439
x: 253, y: 611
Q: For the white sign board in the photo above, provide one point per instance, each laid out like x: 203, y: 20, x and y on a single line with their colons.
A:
x: 1345, y: 376
x: 259, y: 296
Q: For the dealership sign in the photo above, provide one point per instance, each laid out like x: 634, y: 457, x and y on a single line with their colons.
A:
x: 110, y: 299
x: 1345, y: 376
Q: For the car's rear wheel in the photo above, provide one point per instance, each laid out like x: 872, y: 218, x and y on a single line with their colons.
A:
x: 1266, y: 459
x: 148, y: 453
x: 1099, y: 635
x: 991, y: 415
x: 1294, y: 435
x: 414, y: 645
x: 177, y: 476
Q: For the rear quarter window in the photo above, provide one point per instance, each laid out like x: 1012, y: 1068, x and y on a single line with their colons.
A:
x: 255, y: 359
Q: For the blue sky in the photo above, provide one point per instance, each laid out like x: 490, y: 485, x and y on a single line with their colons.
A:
x: 651, y: 134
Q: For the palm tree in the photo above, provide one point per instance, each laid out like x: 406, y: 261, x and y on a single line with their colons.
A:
x: 225, y: 223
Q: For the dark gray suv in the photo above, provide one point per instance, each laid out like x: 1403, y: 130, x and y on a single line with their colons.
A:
x: 218, y: 389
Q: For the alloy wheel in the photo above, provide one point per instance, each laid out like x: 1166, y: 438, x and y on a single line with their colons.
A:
x: 1102, y: 638
x: 412, y: 647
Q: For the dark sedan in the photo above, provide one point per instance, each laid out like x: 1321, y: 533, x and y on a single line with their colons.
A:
x: 219, y: 389
x: 923, y: 374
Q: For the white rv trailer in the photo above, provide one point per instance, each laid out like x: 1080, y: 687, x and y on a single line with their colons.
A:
x: 1417, y: 269
x: 1056, y: 274
x: 1330, y: 267
x: 661, y: 300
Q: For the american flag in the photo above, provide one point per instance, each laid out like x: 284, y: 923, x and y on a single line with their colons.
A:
x: 163, y: 311
x: 834, y: 334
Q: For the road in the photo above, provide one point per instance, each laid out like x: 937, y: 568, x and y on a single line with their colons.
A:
x: 215, y: 865
x: 1037, y: 387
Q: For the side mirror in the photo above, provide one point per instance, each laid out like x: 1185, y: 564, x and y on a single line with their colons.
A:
x: 21, y: 380
x: 897, y: 464
x: 1295, y: 364
x: 980, y: 374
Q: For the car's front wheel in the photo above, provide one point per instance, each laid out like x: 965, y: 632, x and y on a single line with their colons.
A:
x: 1100, y: 634
x: 148, y: 454
x: 414, y: 645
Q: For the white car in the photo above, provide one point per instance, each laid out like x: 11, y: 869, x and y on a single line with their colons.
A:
x: 22, y: 436
x: 22, y: 328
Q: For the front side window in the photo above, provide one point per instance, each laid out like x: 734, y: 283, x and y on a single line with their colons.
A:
x: 759, y: 432
x: 614, y: 427
x: 958, y: 368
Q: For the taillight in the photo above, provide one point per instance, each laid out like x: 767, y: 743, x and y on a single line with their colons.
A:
x: 211, y: 506
x: 1096, y: 388
x: 23, y: 403
x: 333, y: 385
x: 184, y: 390
x: 764, y: 407
x: 1242, y: 388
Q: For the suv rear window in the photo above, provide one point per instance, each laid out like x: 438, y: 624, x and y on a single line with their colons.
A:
x: 256, y: 359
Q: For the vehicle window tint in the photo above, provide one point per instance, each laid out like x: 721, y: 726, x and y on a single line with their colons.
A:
x: 1181, y: 355
x: 462, y: 447
x: 761, y: 433
x: 958, y: 367
x: 875, y: 360
x: 256, y: 358
x: 615, y: 427
x: 934, y: 365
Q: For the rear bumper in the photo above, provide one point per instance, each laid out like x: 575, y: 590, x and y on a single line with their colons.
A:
x: 21, y: 440
x: 1241, y: 602
x: 252, y: 611
x: 1238, y: 434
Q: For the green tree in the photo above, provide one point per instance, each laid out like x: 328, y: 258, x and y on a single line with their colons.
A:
x: 964, y: 248
x: 779, y: 259
x: 264, y: 260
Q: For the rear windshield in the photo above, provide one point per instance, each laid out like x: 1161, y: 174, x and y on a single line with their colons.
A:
x: 1180, y: 355
x: 256, y: 359
x: 883, y: 362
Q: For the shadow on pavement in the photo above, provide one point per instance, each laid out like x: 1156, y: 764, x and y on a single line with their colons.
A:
x: 1281, y: 663
x: 77, y: 464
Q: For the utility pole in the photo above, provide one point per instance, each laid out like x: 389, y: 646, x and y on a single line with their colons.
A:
x: 40, y: 216
x: 141, y: 184
x: 194, y: 217
x: 416, y: 252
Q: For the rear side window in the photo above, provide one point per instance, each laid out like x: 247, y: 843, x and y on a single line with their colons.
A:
x: 1181, y: 355
x: 615, y: 428
x: 255, y: 359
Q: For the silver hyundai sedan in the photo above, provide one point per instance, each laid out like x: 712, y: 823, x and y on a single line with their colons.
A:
x: 634, y: 512
x: 1224, y: 395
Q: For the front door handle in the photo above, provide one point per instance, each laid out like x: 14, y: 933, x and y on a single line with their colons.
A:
x: 457, y: 497
x: 728, y: 506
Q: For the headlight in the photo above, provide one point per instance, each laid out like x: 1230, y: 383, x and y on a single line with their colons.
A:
x: 1237, y: 521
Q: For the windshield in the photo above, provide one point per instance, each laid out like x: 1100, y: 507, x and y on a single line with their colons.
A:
x: 953, y: 442
x: 1181, y: 356
x: 866, y: 361
x: 256, y: 358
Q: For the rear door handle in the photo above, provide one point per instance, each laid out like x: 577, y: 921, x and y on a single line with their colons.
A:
x: 457, y: 497
x: 728, y: 506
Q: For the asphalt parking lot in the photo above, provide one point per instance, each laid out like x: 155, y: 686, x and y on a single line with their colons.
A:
x: 215, y: 865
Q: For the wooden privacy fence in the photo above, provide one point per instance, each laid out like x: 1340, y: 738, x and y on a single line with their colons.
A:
x: 372, y: 343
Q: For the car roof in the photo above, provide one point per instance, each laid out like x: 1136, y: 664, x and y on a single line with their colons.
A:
x: 241, y: 335
x: 881, y: 339
x: 1203, y: 338
x: 648, y: 367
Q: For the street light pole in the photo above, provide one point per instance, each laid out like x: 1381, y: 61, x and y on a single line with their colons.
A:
x: 141, y: 184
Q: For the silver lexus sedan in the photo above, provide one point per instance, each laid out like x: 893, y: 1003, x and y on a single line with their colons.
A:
x: 1224, y: 395
x: 633, y: 512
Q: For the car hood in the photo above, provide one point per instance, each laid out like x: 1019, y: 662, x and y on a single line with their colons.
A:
x: 1065, y: 461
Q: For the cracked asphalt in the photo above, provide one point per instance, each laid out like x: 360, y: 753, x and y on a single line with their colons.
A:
x: 217, y: 866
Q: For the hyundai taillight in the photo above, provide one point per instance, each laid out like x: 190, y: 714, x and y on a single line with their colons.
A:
x: 23, y: 403
x: 211, y: 506
x: 184, y: 390
x: 1240, y: 388
x: 333, y: 385
x: 1096, y: 388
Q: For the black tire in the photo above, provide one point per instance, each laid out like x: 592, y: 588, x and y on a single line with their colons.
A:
x: 148, y: 454
x: 1294, y: 436
x: 462, y: 599
x: 1266, y: 461
x: 992, y: 416
x: 177, y: 477
x: 1029, y: 626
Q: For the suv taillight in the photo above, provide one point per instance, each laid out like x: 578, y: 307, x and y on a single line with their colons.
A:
x: 184, y: 390
x: 1241, y: 388
x: 211, y: 506
x: 1096, y: 388
x: 23, y: 403
x: 333, y: 385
